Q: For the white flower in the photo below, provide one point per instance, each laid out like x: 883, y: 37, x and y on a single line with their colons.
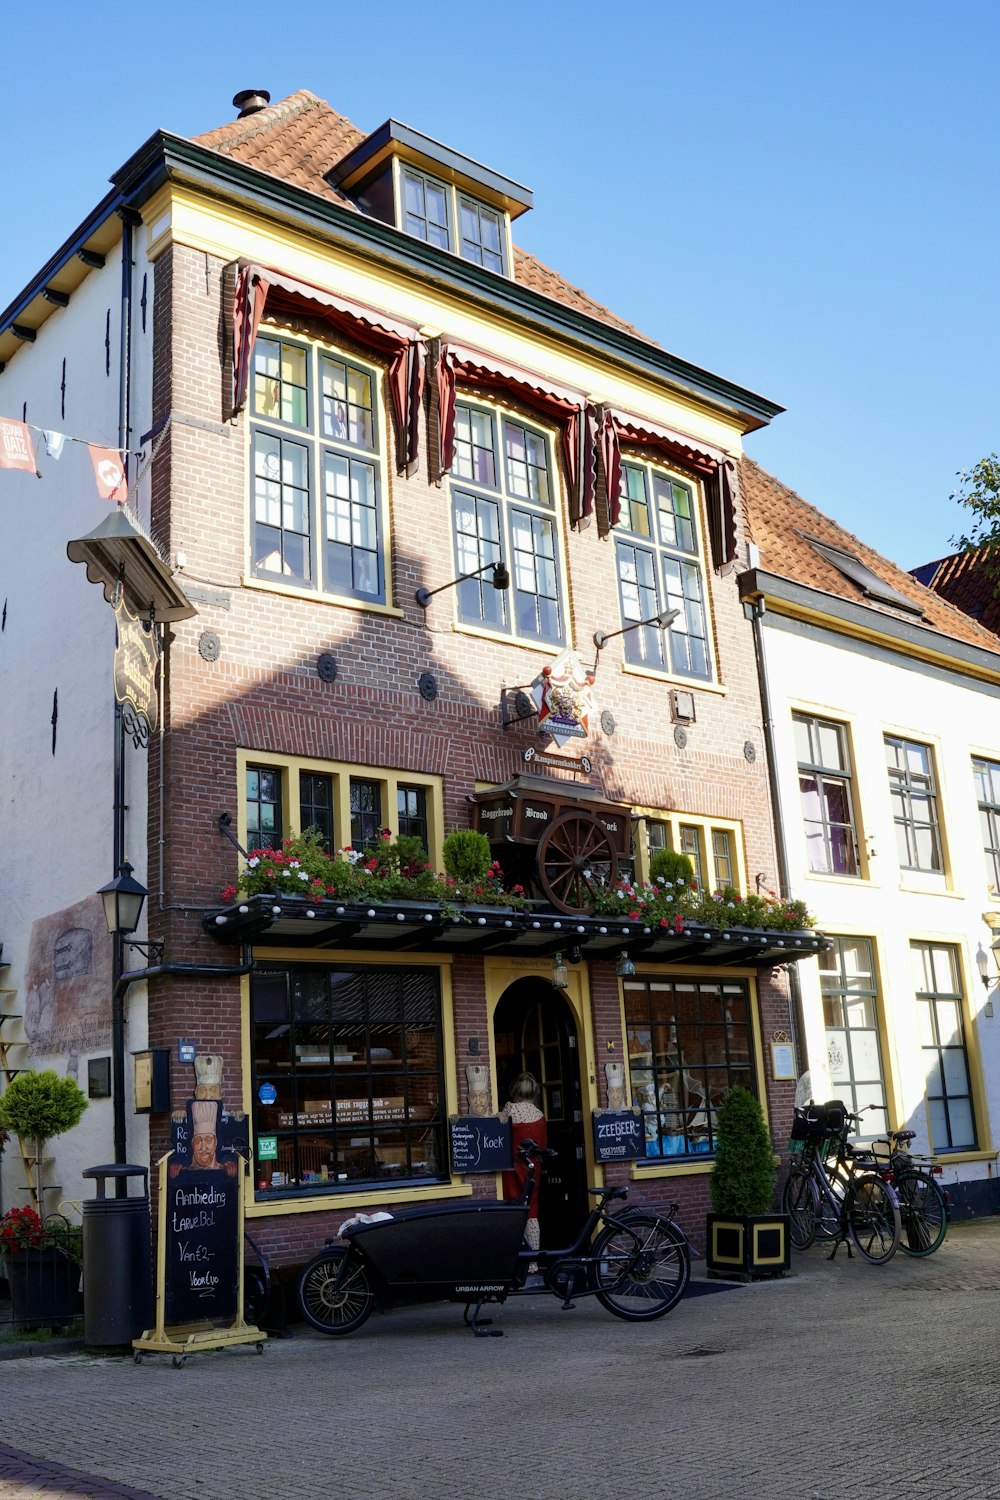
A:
x: 293, y: 864
x: 661, y: 880
x: 303, y: 875
x: 253, y: 863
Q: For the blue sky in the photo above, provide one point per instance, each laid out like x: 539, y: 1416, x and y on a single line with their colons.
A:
x: 801, y: 197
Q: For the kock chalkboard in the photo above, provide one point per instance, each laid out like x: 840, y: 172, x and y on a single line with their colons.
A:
x: 202, y: 1212
x: 618, y: 1135
x: 480, y: 1143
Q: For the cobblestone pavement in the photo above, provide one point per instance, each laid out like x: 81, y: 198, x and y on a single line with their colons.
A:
x: 842, y: 1380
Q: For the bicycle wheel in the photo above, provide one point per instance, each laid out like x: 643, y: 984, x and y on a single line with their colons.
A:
x: 800, y: 1201
x: 872, y: 1210
x: 923, y: 1212
x: 641, y: 1267
x: 331, y: 1308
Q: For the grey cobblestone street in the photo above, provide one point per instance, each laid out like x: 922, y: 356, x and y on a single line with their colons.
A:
x: 891, y: 1371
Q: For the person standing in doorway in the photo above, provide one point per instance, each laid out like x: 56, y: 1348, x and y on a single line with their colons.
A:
x: 527, y: 1124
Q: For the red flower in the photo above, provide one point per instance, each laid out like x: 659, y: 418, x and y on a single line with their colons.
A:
x: 229, y: 893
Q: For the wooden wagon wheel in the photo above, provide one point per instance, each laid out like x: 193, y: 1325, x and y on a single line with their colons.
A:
x: 576, y: 859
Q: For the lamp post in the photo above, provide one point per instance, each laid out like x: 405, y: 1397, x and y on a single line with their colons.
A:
x: 123, y: 900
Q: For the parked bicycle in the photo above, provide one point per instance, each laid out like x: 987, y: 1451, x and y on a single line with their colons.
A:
x: 636, y: 1265
x: 836, y: 1191
x: 923, y: 1203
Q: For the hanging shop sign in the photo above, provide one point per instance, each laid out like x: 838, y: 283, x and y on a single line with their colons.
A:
x: 137, y: 658
x: 563, y: 692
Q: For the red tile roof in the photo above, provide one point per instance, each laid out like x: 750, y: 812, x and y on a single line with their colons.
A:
x: 300, y: 138
x: 965, y: 581
x: 780, y: 522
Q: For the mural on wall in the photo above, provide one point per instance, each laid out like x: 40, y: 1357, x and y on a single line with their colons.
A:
x: 67, y: 985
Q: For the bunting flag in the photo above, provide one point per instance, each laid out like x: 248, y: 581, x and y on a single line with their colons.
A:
x: 109, y: 472
x: 55, y: 442
x: 16, y: 448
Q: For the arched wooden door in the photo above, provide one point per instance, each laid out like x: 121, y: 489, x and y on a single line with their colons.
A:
x: 534, y: 1031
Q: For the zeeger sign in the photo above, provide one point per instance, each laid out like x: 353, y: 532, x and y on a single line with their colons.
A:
x: 136, y: 661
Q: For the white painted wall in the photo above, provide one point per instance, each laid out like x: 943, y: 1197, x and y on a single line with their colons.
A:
x: 56, y: 809
x: 875, y: 693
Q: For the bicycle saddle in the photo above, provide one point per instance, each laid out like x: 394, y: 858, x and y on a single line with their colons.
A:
x: 609, y: 1193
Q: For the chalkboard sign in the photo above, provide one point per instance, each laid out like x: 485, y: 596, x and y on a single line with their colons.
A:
x: 203, y: 1180
x: 480, y: 1143
x: 202, y: 1212
x: 618, y: 1135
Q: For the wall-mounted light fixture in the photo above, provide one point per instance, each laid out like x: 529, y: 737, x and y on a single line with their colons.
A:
x: 664, y: 619
x: 559, y: 978
x: 625, y: 968
x: 988, y: 976
x: 500, y: 580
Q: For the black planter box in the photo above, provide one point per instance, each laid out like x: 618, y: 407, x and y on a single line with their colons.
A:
x: 755, y: 1246
x: 44, y: 1288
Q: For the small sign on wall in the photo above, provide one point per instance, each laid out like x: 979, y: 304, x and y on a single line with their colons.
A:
x: 618, y: 1135
x: 783, y: 1062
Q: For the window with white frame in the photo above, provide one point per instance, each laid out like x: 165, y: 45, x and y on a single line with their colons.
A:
x: 947, y: 1087
x: 659, y: 569
x: 850, y: 1013
x: 826, y: 790
x: 913, y: 789
x: 987, y: 776
x: 503, y: 508
x: 317, y: 470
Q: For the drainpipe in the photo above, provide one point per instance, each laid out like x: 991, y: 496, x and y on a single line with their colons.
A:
x: 757, y: 609
x: 122, y: 984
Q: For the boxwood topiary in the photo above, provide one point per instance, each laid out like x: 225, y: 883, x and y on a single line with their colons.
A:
x: 467, y: 856
x: 671, y: 865
x: 743, y: 1176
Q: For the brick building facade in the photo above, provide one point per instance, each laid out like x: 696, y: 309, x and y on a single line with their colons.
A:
x: 300, y: 516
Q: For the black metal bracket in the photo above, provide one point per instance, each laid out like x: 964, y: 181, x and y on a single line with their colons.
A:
x: 224, y: 825
x: 151, y: 951
x: 524, y: 708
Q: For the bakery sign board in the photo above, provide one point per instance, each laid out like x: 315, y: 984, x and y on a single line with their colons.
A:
x: 136, y: 661
x: 564, y: 694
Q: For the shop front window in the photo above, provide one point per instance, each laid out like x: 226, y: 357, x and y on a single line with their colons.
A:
x: 689, y: 1043
x: 348, y: 1077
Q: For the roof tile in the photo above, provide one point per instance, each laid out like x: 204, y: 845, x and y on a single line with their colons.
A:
x: 779, y: 521
x: 300, y: 138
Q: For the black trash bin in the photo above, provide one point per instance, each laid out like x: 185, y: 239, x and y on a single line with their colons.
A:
x: 117, y: 1269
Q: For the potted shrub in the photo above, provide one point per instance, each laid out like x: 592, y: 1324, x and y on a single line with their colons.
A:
x: 744, y: 1237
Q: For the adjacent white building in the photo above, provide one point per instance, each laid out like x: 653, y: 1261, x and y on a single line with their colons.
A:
x: 883, y: 704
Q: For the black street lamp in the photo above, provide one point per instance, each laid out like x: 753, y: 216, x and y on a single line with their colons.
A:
x: 123, y: 900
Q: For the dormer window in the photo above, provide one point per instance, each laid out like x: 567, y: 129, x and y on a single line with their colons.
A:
x: 434, y: 194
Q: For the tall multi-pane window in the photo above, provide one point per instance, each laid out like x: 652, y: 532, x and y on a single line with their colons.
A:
x: 689, y: 838
x: 656, y: 551
x: 850, y: 1014
x: 263, y: 807
x: 825, y: 786
x: 316, y: 806
x: 987, y: 775
x: 316, y: 471
x: 689, y: 1043
x: 942, y: 1038
x: 503, y: 508
x: 411, y: 811
x: 366, y: 812
x: 913, y: 789
x: 722, y: 857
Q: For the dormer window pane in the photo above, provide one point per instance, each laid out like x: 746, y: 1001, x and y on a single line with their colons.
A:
x: 481, y: 241
x: 426, y: 209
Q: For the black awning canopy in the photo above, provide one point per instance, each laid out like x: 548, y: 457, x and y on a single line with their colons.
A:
x: 422, y: 927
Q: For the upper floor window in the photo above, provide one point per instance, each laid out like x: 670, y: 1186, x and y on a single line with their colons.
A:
x: 827, y: 802
x: 712, y: 850
x: 657, y: 557
x: 316, y: 506
x: 436, y: 212
x: 913, y: 789
x: 987, y: 774
x: 503, y: 507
